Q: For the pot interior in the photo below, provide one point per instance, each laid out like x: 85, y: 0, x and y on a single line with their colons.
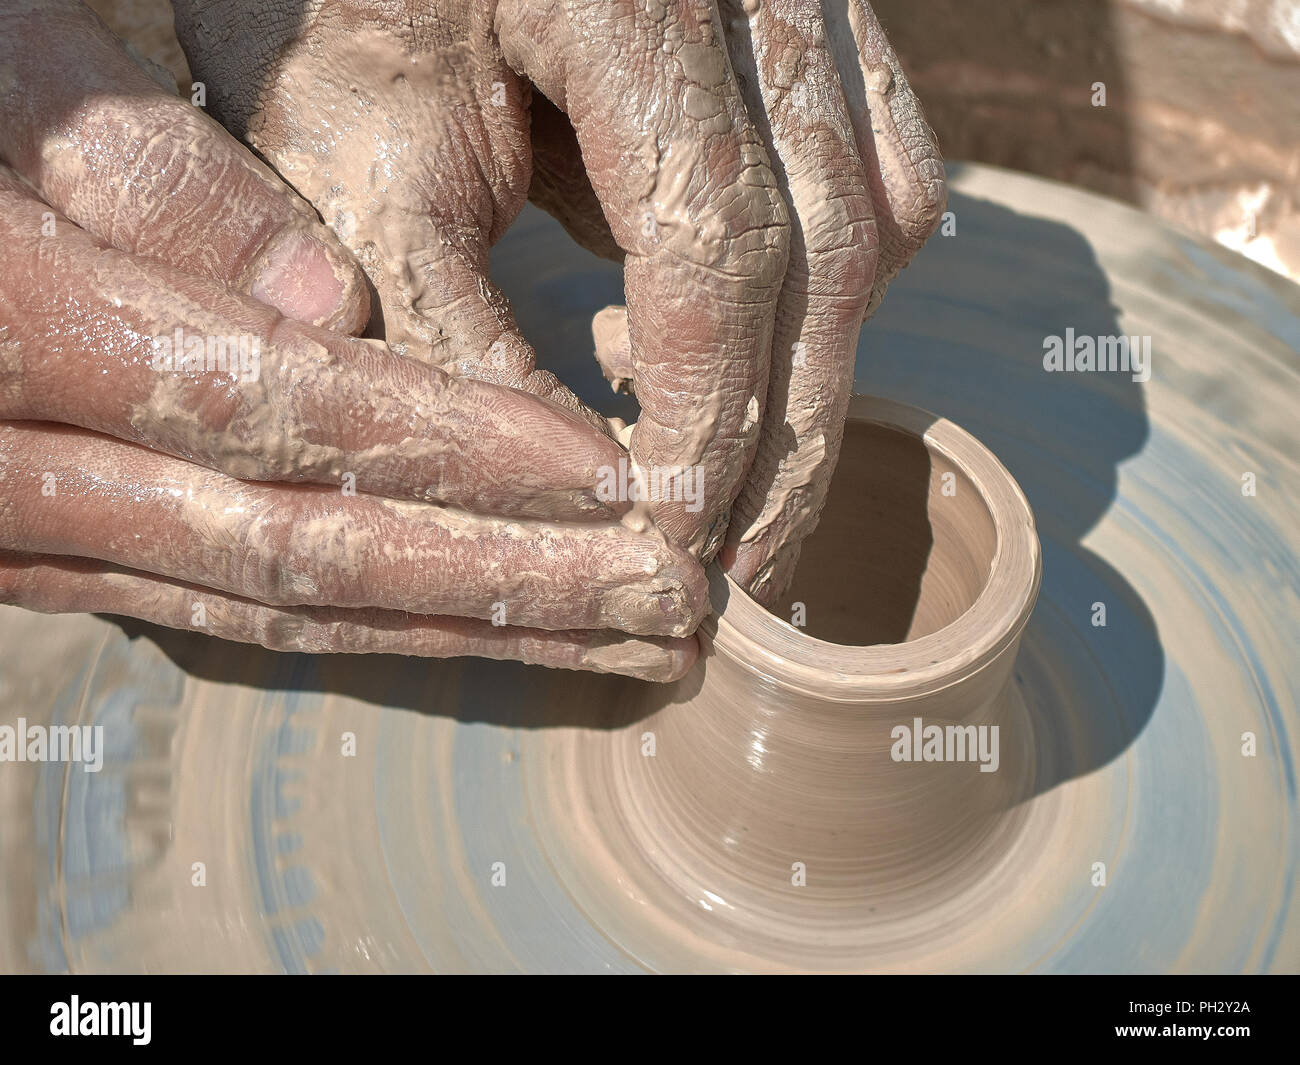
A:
x: 904, y: 547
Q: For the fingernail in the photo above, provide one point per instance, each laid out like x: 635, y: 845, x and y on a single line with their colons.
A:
x: 305, y: 279
x: 658, y: 661
x: 669, y: 603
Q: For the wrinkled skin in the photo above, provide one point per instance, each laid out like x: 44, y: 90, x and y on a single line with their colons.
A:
x: 763, y: 170
x: 206, y: 500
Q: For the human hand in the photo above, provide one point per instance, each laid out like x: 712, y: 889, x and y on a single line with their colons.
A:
x: 764, y: 167
x: 282, y: 497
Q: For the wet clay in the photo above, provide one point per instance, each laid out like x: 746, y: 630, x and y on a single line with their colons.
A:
x: 385, y: 862
x: 904, y: 546
x: 773, y: 826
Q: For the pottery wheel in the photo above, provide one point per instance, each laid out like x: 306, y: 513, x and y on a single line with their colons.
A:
x: 1166, y: 740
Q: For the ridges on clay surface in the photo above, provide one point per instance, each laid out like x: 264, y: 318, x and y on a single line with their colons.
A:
x: 759, y: 807
x: 385, y: 861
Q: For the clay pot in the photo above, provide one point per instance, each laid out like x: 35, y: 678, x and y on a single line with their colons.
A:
x: 770, y: 803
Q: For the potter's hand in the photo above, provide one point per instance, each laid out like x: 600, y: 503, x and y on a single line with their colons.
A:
x: 125, y: 216
x: 409, y: 124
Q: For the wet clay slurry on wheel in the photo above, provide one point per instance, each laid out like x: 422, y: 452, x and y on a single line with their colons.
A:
x: 441, y: 844
x: 757, y: 814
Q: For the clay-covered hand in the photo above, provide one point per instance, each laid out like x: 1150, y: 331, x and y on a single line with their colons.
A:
x: 762, y: 165
x: 190, y: 436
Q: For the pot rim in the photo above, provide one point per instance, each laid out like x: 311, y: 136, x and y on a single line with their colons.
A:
x: 763, y: 643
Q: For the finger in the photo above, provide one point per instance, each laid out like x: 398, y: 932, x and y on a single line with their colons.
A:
x: 99, y: 338
x: 69, y: 492
x: 466, y: 320
x: 903, y: 165
x: 560, y: 185
x: 687, y: 191
x: 422, y: 211
x: 150, y: 173
x: 54, y: 585
x: 780, y: 52
x: 614, y: 348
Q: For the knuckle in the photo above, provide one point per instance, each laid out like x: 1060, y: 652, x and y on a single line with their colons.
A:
x: 920, y: 216
x: 283, y: 631
x: 758, y: 231
x: 841, y: 254
x: 282, y: 451
x: 835, y: 247
x: 275, y: 439
x: 160, y: 168
x: 843, y: 275
x: 738, y: 229
x: 263, y: 565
